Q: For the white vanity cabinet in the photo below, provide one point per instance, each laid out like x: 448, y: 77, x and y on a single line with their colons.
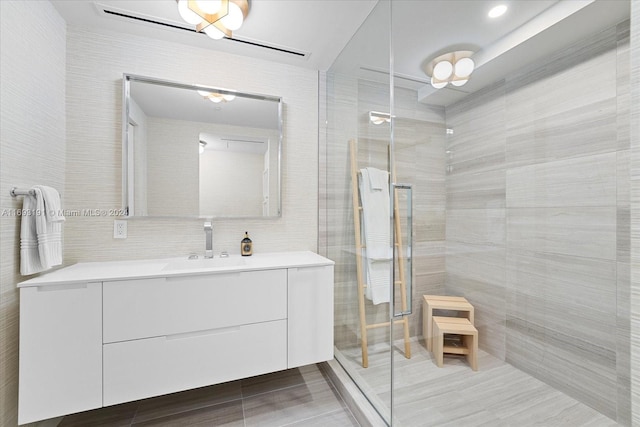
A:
x: 60, y: 359
x: 310, y: 315
x: 93, y: 344
x: 171, y: 334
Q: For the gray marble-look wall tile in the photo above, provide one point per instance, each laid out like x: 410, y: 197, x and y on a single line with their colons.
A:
x: 587, y: 284
x: 488, y: 300
x: 428, y: 257
x: 476, y: 226
x: 579, y: 369
x: 477, y: 272
x: 586, y: 232
x: 582, y: 130
x: 582, y: 181
x: 478, y: 140
x: 557, y: 85
x: 480, y: 262
x: 476, y: 190
x: 623, y: 343
x: 429, y: 224
x: 628, y: 130
x: 623, y: 235
x: 623, y: 85
x: 623, y: 178
x: 635, y: 211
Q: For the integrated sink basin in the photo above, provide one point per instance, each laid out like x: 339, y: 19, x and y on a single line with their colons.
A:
x: 205, y: 263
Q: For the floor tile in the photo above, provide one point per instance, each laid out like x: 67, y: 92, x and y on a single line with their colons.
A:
x: 185, y: 401
x: 497, y: 395
x: 296, y: 397
x: 341, y: 418
x: 228, y: 414
x: 291, y: 405
x: 280, y: 380
x: 112, y: 416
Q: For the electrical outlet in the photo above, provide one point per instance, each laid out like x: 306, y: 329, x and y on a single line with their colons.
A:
x: 119, y: 229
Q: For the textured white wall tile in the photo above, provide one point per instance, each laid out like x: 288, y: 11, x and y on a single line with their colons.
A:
x: 96, y: 61
x: 635, y: 211
x: 32, y: 146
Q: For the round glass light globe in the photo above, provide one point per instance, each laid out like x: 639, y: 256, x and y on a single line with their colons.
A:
x: 442, y: 70
x: 216, y: 98
x: 187, y: 14
x: 464, y: 67
x: 228, y: 97
x: 439, y: 85
x: 213, y: 32
x: 233, y: 20
x: 459, y: 82
x: 209, y: 6
x: 204, y: 93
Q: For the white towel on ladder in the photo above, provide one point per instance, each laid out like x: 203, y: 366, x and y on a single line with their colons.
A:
x: 374, y: 194
x: 41, y: 231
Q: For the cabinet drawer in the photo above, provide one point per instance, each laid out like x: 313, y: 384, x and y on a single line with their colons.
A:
x: 154, y: 366
x: 146, y: 308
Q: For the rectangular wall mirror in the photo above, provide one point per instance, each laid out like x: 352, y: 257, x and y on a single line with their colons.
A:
x: 198, y: 151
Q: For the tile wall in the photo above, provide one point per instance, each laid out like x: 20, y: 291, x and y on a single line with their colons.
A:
x: 635, y: 211
x: 538, y: 219
x: 32, y: 151
x: 420, y: 138
x: 96, y: 60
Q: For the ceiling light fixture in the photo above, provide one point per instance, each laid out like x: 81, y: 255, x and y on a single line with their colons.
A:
x: 216, y: 97
x: 497, y: 11
x: 453, y: 67
x: 215, y: 18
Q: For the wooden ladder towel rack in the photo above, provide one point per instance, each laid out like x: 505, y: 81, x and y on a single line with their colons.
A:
x: 357, y: 216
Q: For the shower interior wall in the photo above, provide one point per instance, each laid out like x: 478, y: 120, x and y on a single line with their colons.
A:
x: 524, y: 210
x: 419, y: 156
x: 537, y: 221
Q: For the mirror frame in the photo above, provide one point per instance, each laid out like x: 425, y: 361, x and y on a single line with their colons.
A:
x: 128, y: 167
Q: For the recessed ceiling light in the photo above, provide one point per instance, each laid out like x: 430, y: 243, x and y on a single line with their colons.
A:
x: 497, y: 11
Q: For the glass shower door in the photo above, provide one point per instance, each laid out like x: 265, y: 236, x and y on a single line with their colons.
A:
x: 372, y: 280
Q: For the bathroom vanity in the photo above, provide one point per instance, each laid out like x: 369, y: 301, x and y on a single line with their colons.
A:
x: 99, y: 334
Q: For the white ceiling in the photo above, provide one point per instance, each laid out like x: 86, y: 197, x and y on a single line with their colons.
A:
x: 320, y: 29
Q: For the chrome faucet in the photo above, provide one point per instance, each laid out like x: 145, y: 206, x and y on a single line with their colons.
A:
x: 208, y: 232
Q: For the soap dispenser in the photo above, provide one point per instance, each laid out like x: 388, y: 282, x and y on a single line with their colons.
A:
x: 246, y: 247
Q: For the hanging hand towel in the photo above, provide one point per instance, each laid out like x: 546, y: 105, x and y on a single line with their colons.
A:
x: 29, y: 256
x: 41, y: 231
x: 377, y: 233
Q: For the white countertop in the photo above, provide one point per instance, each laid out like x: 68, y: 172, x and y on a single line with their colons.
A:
x: 168, y: 267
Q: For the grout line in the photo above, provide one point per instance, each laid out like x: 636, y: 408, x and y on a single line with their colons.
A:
x: 345, y: 406
x: 185, y: 411
x: 315, y: 416
x: 244, y: 413
x: 284, y: 388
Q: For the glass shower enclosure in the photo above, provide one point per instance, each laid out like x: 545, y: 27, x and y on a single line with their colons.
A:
x: 515, y: 197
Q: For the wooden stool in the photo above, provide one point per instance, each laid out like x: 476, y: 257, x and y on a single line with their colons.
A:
x: 439, y: 302
x: 460, y: 326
